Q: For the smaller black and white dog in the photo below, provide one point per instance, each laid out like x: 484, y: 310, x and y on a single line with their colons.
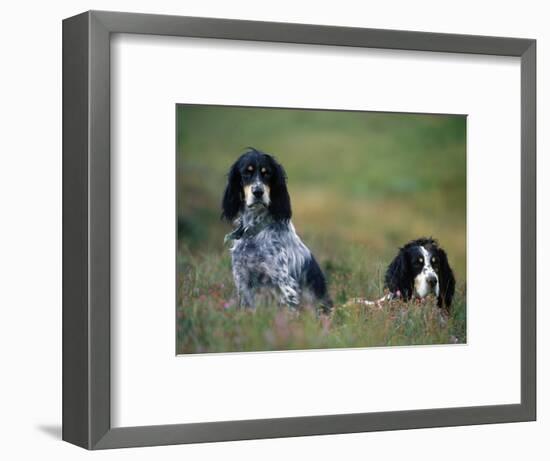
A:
x: 266, y: 252
x: 419, y: 269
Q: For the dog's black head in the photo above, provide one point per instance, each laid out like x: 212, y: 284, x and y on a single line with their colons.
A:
x: 256, y: 180
x: 420, y: 268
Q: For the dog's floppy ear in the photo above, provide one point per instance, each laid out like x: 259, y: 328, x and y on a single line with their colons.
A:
x: 280, y: 200
x: 233, y: 196
x: 446, y: 281
x: 398, y: 276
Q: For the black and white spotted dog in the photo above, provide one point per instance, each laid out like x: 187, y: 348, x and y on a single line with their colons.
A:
x: 419, y: 269
x: 266, y: 252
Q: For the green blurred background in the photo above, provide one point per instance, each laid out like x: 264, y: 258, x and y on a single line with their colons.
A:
x: 360, y: 182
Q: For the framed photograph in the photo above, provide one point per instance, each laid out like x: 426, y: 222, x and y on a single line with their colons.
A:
x: 275, y: 230
x: 327, y: 247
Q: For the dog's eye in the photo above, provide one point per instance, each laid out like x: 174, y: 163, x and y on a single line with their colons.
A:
x: 250, y: 168
x: 263, y: 170
x: 420, y: 260
x: 433, y: 260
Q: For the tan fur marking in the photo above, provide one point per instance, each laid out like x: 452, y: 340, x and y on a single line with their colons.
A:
x: 248, y: 194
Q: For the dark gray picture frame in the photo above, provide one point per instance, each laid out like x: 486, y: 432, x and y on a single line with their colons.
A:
x: 86, y: 229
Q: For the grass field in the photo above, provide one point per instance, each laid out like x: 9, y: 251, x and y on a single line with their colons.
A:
x: 361, y: 184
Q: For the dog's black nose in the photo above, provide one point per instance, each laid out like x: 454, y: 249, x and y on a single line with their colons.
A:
x: 432, y: 281
x: 258, y: 192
